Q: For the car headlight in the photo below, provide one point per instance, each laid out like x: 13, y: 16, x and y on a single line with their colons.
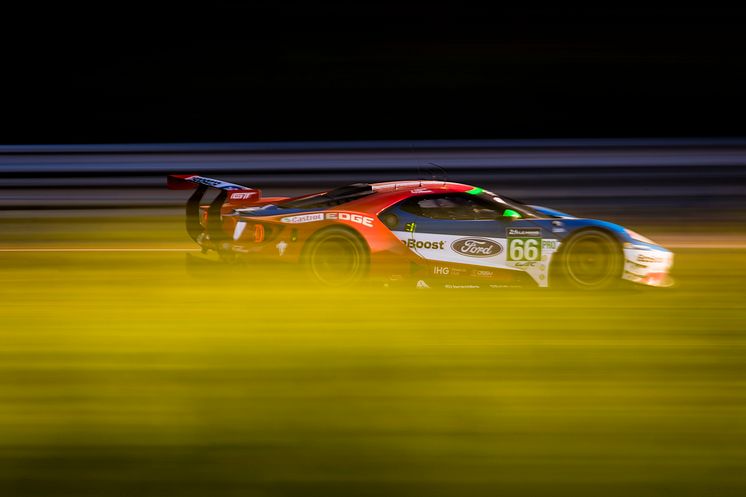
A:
x: 638, y: 237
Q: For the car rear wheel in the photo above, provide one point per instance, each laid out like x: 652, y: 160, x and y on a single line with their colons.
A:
x: 336, y: 257
x: 590, y: 260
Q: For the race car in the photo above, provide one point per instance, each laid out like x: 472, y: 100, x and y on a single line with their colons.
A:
x: 430, y: 233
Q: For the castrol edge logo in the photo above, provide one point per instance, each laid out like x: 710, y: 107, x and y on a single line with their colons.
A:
x: 347, y: 216
x: 476, y: 247
x: 332, y: 216
x: 303, y: 218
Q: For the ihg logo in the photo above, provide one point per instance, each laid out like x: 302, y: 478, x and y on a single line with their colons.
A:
x: 476, y: 247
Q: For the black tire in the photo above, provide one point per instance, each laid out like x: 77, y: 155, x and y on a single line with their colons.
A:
x: 590, y: 260
x: 336, y: 257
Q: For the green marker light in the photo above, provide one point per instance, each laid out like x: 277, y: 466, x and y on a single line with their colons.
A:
x: 510, y: 213
x: 475, y: 191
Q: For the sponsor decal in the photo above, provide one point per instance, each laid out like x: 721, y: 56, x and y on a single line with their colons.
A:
x: 205, y: 181
x: 410, y: 227
x: 526, y: 264
x: 524, y: 244
x: 530, y: 264
x: 448, y: 271
x: 214, y: 183
x: 549, y: 244
x: 242, y: 195
x: 636, y: 264
x: 332, y: 216
x: 422, y: 285
x: 482, y: 273
x: 421, y: 190
x: 303, y: 218
x: 647, y: 258
x: 281, y: 247
x: 524, y: 232
x: 417, y: 244
x: 632, y: 276
x: 476, y: 247
x: 461, y: 286
x: 348, y: 216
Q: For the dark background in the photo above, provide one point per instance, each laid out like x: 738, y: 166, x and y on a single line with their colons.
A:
x: 269, y: 71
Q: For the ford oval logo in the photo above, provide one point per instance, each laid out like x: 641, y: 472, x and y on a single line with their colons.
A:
x: 476, y: 247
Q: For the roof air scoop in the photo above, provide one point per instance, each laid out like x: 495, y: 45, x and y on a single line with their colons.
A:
x: 353, y: 189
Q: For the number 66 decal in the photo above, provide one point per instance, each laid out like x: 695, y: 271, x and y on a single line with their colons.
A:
x: 524, y: 244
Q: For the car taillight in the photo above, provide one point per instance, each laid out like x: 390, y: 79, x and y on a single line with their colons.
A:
x: 258, y: 233
x: 247, y: 231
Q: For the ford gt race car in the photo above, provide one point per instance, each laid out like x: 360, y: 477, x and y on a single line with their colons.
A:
x: 431, y: 233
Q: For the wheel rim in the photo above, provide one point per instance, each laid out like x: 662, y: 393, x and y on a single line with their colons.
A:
x: 590, y: 261
x: 336, y: 261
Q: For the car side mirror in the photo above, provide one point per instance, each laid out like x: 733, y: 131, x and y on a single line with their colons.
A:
x: 511, y: 215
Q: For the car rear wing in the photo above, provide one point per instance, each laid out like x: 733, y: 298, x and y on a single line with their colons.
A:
x: 228, y: 191
x: 191, y: 181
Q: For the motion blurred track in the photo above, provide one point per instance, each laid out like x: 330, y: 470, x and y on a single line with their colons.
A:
x: 681, y: 184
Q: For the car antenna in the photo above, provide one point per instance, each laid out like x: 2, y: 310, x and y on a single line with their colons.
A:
x: 442, y: 170
x: 419, y: 169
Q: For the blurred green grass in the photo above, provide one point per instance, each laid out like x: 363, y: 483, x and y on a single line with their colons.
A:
x: 123, y: 375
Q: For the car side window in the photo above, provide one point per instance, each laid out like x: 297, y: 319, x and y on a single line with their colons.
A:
x: 451, y: 206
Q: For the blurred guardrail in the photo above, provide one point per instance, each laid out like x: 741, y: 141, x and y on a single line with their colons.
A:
x: 673, y: 179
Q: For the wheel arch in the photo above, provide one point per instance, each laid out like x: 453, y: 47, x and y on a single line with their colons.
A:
x: 334, y: 227
x: 584, y: 229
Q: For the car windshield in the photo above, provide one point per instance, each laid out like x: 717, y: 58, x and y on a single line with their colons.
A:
x: 523, y: 208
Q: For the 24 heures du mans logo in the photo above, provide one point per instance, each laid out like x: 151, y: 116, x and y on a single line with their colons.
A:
x: 476, y: 247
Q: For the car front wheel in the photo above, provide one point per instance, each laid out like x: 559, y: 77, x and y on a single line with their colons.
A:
x: 590, y: 260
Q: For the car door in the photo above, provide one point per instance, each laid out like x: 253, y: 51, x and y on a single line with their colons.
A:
x: 452, y: 227
x: 465, y: 229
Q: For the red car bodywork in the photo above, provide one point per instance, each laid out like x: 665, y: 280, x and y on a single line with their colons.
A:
x: 279, y: 238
